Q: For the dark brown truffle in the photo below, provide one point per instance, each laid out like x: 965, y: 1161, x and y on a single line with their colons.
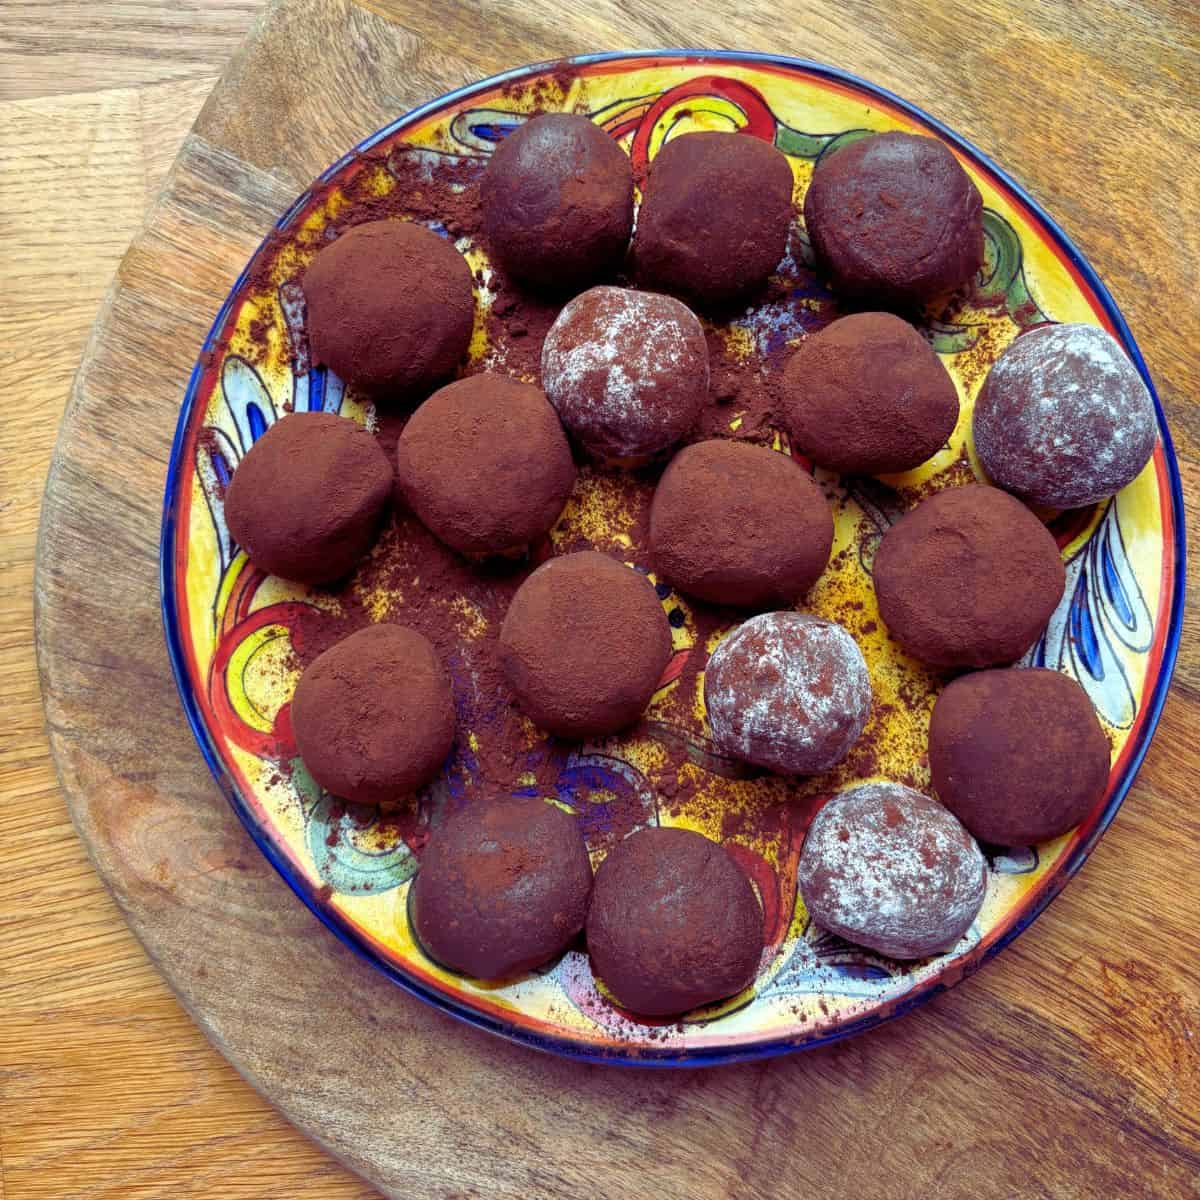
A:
x: 968, y: 578
x: 788, y: 691
x: 374, y: 715
x: 673, y: 924
x: 868, y: 396
x: 891, y: 869
x: 503, y: 888
x: 627, y: 372
x: 584, y: 644
x: 557, y: 201
x: 1017, y: 755
x: 1064, y: 419
x: 390, y: 307
x: 894, y: 220
x: 485, y: 464
x: 738, y: 524
x: 307, y: 500
x: 714, y: 217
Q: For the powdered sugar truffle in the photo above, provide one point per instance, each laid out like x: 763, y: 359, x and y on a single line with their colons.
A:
x: 788, y: 691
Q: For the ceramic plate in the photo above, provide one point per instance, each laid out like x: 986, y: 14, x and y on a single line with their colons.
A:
x: 231, y: 630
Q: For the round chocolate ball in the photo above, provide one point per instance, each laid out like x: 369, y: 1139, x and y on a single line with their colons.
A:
x: 307, y: 501
x: 894, y: 220
x: 738, y: 524
x: 673, y: 923
x: 788, y: 691
x: 374, y: 715
x: 503, y: 888
x: 557, y: 200
x: 714, y: 217
x: 888, y: 868
x: 1017, y: 755
x: 627, y: 372
x: 485, y: 464
x: 390, y: 307
x: 1063, y: 418
x: 868, y: 396
x: 584, y: 644
x: 968, y: 578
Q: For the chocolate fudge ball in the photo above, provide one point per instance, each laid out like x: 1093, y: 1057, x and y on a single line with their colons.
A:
x: 968, y: 578
x: 673, y: 923
x: 584, y: 644
x: 890, y: 869
x: 738, y: 524
x: 627, y: 371
x: 1064, y: 419
x: 557, y: 201
x: 390, y: 307
x: 485, y: 464
x: 503, y: 888
x: 374, y: 715
x: 1017, y: 755
x: 894, y: 220
x: 307, y: 501
x: 868, y: 396
x: 714, y: 217
x: 788, y: 691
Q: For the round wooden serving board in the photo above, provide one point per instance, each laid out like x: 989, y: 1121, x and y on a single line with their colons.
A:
x: 1022, y: 1082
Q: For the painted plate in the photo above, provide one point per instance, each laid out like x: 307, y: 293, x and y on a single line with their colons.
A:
x: 237, y: 638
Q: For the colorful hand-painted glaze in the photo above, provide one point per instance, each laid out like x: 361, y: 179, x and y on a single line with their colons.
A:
x: 228, y: 625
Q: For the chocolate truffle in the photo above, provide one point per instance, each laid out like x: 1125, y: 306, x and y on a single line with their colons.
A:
x: 738, y: 524
x: 485, y: 464
x: 374, y: 715
x: 627, y: 371
x: 788, y: 691
x: 673, y: 923
x: 584, y: 644
x: 868, y: 396
x: 307, y: 500
x: 891, y: 869
x: 557, y: 201
x: 390, y: 307
x: 1064, y: 419
x: 503, y: 888
x: 968, y: 578
x: 895, y: 220
x: 714, y: 217
x: 1017, y: 755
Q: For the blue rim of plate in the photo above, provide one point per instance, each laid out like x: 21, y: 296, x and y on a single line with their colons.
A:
x: 648, y: 1057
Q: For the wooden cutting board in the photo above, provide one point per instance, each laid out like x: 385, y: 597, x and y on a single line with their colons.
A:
x: 1067, y: 1068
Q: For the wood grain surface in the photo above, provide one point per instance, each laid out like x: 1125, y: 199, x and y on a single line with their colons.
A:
x: 1067, y: 1068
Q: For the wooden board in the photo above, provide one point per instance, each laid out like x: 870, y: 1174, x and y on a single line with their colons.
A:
x: 1066, y: 1068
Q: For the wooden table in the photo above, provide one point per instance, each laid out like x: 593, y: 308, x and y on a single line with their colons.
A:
x: 1085, y: 1027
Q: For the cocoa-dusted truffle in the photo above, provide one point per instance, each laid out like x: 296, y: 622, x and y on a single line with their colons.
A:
x: 485, y: 464
x: 968, y: 578
x: 1017, y: 755
x: 788, y: 691
x: 627, y: 371
x: 390, y: 307
x: 673, y: 923
x: 894, y: 220
x: 1064, y: 419
x: 557, y: 201
x: 307, y: 500
x: 891, y: 869
x: 584, y: 644
x: 714, y: 217
x: 868, y: 396
x: 374, y: 715
x: 503, y: 888
x: 738, y: 524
